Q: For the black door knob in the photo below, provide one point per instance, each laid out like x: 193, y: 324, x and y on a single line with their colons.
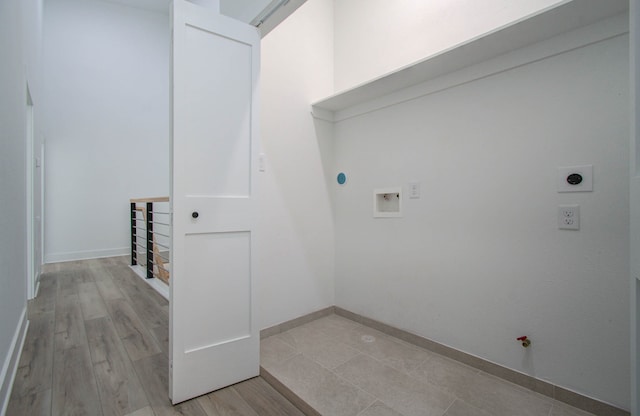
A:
x: 195, y: 214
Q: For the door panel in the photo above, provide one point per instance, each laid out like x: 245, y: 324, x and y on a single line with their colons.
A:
x: 214, y: 339
x: 227, y: 312
x: 226, y: 121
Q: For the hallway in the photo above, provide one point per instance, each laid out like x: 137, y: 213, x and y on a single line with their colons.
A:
x: 98, y: 345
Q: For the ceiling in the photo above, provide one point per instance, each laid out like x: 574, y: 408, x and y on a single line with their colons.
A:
x: 244, y: 10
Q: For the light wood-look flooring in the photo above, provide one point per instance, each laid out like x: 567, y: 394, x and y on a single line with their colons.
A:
x: 98, y: 345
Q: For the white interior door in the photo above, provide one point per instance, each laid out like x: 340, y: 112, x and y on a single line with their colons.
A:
x: 214, y: 339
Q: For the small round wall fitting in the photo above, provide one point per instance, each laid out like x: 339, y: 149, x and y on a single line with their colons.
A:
x: 574, y: 179
x: 342, y: 178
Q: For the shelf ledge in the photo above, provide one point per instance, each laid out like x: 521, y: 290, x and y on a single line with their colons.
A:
x: 543, y: 25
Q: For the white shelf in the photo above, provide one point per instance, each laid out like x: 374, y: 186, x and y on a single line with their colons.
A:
x: 559, y: 19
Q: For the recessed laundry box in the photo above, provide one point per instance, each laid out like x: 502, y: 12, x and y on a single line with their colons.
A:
x: 387, y: 202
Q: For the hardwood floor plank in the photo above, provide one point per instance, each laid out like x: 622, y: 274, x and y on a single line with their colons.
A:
x: 150, y: 312
x: 120, y: 389
x: 91, y: 301
x: 137, y: 339
x: 161, y: 334
x: 115, y: 261
x: 36, y: 362
x: 107, y: 287
x: 148, y: 304
x: 225, y: 402
x: 50, y: 268
x: 153, y: 374
x: 33, y: 404
x: 113, y: 364
x: 74, y: 385
x: 147, y: 411
x: 69, y: 277
x: 103, y: 339
x: 264, y: 399
x: 45, y: 302
x: 67, y: 285
x: 109, y: 290
x: 69, y: 322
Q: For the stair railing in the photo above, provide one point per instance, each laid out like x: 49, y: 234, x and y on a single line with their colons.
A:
x: 150, y: 228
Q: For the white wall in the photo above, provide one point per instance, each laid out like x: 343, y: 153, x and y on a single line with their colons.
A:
x: 19, y: 50
x: 296, y: 225
x: 374, y: 37
x: 478, y: 260
x: 107, y: 122
x: 635, y: 206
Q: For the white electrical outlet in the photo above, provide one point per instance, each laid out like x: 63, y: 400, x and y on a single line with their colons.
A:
x: 569, y: 217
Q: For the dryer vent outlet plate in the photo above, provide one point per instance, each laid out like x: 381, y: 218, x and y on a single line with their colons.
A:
x: 575, y: 178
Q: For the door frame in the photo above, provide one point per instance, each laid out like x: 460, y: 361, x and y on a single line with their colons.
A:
x: 634, y: 203
x: 32, y: 278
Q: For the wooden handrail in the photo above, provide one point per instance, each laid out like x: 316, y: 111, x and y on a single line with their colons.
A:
x: 153, y: 199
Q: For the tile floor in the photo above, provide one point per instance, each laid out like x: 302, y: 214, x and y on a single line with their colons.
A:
x: 342, y: 368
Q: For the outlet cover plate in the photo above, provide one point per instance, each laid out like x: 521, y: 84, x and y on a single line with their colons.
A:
x: 569, y: 217
x: 567, y: 175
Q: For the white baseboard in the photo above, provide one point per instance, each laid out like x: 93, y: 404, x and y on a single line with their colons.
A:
x: 37, y: 289
x: 85, y: 255
x: 10, y: 366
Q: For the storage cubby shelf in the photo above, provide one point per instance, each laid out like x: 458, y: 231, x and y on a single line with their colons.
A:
x: 556, y: 20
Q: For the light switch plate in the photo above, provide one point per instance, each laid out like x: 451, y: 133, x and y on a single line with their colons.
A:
x: 575, y: 178
x: 414, y: 190
x: 262, y: 163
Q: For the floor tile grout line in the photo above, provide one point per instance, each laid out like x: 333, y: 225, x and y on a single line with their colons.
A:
x: 335, y: 374
x: 416, y: 380
x: 477, y: 372
x: 392, y: 339
x: 426, y: 382
x: 297, y: 350
x: 455, y: 399
x: 550, y: 410
x: 360, y: 413
x: 345, y: 380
